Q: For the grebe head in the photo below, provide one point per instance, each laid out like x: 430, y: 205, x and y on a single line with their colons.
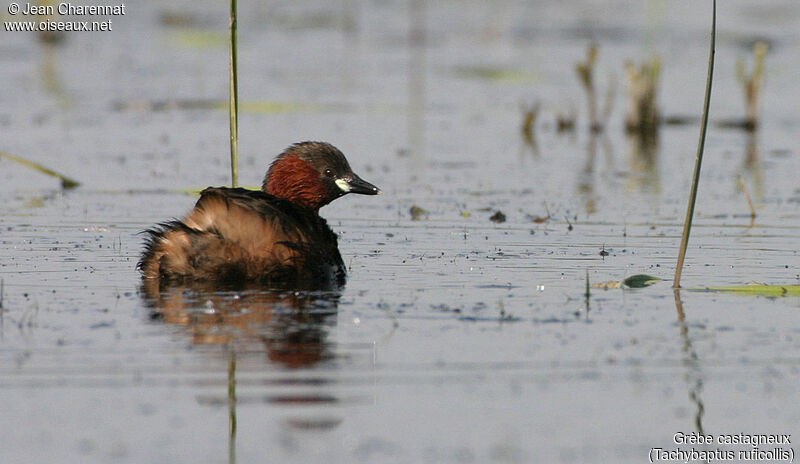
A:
x: 313, y: 174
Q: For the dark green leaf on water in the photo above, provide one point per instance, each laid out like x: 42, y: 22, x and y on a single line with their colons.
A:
x: 640, y: 280
x: 498, y: 217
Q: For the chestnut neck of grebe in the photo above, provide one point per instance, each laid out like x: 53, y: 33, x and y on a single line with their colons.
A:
x: 313, y: 174
x: 295, y: 180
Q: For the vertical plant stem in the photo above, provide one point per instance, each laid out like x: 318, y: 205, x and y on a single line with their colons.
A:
x: 588, y: 294
x: 687, y: 224
x: 232, y: 408
x: 234, y: 103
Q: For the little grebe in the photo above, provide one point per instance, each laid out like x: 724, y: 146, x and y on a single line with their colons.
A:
x: 234, y: 235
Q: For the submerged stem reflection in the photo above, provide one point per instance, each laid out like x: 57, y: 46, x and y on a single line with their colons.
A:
x: 232, y: 407
x: 290, y: 326
x: 694, y: 377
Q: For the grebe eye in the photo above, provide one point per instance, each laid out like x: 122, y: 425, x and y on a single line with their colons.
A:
x: 328, y: 173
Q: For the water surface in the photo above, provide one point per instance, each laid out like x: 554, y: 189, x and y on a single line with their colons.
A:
x: 456, y: 339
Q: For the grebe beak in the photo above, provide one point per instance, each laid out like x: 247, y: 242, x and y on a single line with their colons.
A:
x: 356, y: 184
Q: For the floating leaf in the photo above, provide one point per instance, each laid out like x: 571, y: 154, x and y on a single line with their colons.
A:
x: 640, y: 280
x: 755, y: 289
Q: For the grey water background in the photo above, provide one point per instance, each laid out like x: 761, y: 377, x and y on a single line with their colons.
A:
x: 456, y: 339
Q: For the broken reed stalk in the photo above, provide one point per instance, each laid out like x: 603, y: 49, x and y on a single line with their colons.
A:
x: 753, y: 84
x: 687, y: 224
x: 585, y: 72
x: 234, y: 102
x: 747, y: 196
x: 643, y: 114
x: 529, y: 116
x: 66, y: 182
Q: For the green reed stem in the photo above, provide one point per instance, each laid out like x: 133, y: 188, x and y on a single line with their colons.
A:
x: 234, y: 104
x: 687, y: 224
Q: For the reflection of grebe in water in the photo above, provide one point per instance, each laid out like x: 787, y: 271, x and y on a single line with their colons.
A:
x: 290, y: 325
